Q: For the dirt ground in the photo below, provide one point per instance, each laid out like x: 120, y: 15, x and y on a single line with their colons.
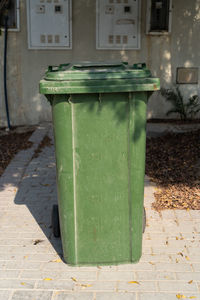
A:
x: 173, y: 163
x: 10, y: 143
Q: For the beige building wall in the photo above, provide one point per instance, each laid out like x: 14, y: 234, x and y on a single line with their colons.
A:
x: 162, y: 54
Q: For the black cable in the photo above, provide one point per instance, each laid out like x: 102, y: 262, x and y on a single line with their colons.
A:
x: 5, y: 70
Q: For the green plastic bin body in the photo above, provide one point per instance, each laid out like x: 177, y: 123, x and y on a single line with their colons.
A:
x: 99, y: 118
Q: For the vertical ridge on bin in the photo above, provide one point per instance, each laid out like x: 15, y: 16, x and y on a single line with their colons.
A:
x: 74, y: 178
x: 129, y: 177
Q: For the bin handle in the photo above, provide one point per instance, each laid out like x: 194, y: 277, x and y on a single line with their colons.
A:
x: 61, y: 67
x: 53, y: 68
x: 97, y: 65
x: 139, y: 66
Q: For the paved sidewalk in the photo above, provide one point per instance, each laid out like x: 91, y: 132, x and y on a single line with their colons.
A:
x: 30, y: 265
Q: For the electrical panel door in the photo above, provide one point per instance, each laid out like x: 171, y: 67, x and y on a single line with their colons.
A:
x: 11, y: 10
x: 117, y: 24
x: 49, y: 24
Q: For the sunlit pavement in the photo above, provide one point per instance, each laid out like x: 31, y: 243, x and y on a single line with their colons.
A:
x: 30, y: 257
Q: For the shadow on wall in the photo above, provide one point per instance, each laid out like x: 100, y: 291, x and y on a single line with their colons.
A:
x: 162, y: 54
x: 178, y: 49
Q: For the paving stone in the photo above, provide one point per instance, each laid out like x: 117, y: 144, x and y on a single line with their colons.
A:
x: 167, y: 296
x: 188, y: 276
x: 179, y: 267
x: 151, y: 214
x: 154, y: 227
x: 177, y: 286
x: 196, y: 267
x: 62, y: 267
x: 115, y: 275
x: 163, y: 236
x: 182, y: 215
x: 22, y: 265
x: 156, y: 258
x: 73, y: 296
x: 195, y: 214
x: 143, y: 266
x: 5, y: 274
x: 5, y: 295
x: 30, y: 295
x: 136, y: 287
x: 16, y: 284
x: 115, y: 296
x: 107, y: 268
x: 194, y: 251
x: 192, y: 235
x: 182, y: 243
x: 168, y: 214
x: 154, y: 275
x: 2, y: 265
x: 96, y: 286
x: 55, y: 284
x: 67, y: 275
x: 164, y: 250
x: 18, y: 242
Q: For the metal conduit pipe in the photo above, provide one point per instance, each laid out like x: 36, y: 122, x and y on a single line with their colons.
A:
x: 5, y: 71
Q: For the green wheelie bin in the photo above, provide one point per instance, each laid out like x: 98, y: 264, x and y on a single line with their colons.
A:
x: 99, y: 121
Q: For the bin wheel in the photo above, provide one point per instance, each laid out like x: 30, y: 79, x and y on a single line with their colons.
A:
x: 144, y: 220
x: 55, y: 221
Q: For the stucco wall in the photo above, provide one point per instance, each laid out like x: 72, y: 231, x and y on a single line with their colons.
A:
x: 163, y: 54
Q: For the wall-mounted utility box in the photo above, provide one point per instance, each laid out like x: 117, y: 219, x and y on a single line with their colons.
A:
x: 187, y: 75
x: 159, y: 17
x: 117, y: 24
x: 13, y: 15
x: 49, y: 24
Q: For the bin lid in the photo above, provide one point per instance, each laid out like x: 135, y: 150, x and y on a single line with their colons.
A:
x: 100, y: 77
x: 97, y: 70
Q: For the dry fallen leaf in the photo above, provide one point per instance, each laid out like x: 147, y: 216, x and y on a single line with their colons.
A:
x: 136, y: 282
x: 150, y: 262
x: 74, y: 279
x: 37, y: 242
x: 47, y: 279
x: 85, y: 285
x: 187, y: 257
x: 23, y: 283
x: 191, y: 281
x: 192, y: 297
x: 58, y: 260
x: 179, y: 296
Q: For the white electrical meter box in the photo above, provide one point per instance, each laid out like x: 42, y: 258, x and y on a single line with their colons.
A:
x: 49, y: 24
x: 118, y: 24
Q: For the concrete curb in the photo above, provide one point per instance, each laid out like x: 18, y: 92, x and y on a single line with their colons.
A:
x: 158, y: 129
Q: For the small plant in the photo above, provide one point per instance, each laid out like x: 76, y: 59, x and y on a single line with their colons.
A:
x: 186, y: 110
